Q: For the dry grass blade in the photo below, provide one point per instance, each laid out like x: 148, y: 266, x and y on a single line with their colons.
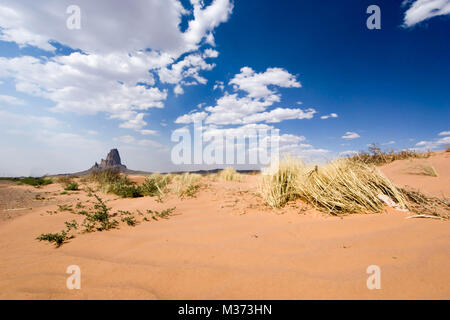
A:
x: 426, y: 205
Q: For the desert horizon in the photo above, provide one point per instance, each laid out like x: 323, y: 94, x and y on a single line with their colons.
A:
x: 220, y: 158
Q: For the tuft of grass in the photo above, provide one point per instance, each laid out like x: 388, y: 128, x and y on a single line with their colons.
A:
x: 111, y: 181
x: 424, y: 169
x: 280, y: 187
x: 229, y: 174
x: 377, y: 157
x: 187, y: 184
x: 156, y: 185
x: 342, y: 186
x: 71, y: 186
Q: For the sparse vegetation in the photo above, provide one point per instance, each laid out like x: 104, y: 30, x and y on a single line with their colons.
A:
x: 156, y: 185
x: 100, y: 219
x: 58, y: 238
x: 187, y: 184
x: 376, y: 156
x: 32, y: 181
x: 73, y: 186
x: 424, y: 169
x: 426, y: 205
x: 339, y: 187
x: 163, y: 214
x: 229, y: 174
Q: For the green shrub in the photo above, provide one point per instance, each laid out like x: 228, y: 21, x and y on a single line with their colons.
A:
x: 35, y: 182
x: 126, y: 190
x: 156, y: 185
x: 71, y: 186
x: 57, y: 238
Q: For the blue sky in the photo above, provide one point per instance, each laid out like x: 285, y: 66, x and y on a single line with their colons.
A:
x: 133, y: 74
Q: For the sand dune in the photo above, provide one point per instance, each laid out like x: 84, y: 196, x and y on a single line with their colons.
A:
x: 225, y: 244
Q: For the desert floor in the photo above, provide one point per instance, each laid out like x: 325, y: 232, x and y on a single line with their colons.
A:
x: 225, y: 244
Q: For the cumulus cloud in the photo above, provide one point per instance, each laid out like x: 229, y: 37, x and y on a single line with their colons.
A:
x: 257, y: 84
x: 255, y: 92
x: 421, y: 10
x: 111, y: 73
x: 153, y: 25
x: 11, y: 100
x: 434, y: 144
x: 331, y: 115
x: 444, y: 133
x: 350, y: 135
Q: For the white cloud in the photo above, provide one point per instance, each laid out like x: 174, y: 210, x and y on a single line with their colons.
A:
x: 444, y: 133
x: 127, y: 139
x: 11, y: 100
x: 148, y: 132
x: 434, y: 144
x: 350, y: 135
x: 251, y: 108
x: 219, y: 85
x: 257, y: 84
x: 347, y: 153
x: 112, y: 74
x: 388, y: 143
x: 422, y: 10
x: 280, y: 114
x: 153, y: 25
x: 331, y: 115
x: 191, y: 117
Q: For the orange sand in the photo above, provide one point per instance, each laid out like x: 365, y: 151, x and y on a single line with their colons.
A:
x: 224, y: 244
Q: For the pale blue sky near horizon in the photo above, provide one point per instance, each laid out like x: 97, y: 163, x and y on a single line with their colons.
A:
x: 137, y: 71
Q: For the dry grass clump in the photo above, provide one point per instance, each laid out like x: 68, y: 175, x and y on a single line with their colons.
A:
x: 105, y: 177
x: 378, y: 157
x: 426, y: 205
x: 424, y: 169
x: 187, y: 184
x: 281, y: 186
x: 64, y: 180
x: 229, y: 174
x: 339, y: 187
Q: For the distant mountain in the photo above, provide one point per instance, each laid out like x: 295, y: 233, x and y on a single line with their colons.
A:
x: 112, y: 161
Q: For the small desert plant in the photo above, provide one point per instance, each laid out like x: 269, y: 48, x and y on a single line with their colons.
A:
x: 126, y: 190
x: 73, y: 186
x: 71, y: 225
x: 57, y: 238
x: 229, y: 174
x: 187, y: 184
x: 100, y: 218
x: 130, y: 220
x: 156, y: 185
x: 164, y: 214
x: 65, y: 207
